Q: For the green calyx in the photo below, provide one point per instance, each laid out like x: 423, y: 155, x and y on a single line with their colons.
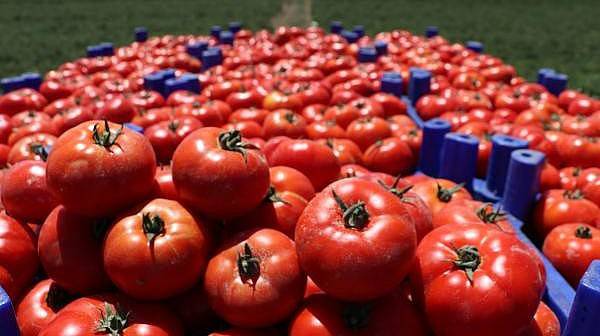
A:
x: 290, y: 117
x: 173, y: 125
x: 232, y: 141
x: 39, y: 150
x: 57, y: 297
x: 575, y: 194
x: 468, y: 260
x: 248, y: 264
x: 107, y: 137
x: 583, y: 232
x: 273, y: 196
x: 355, y: 216
x: 112, y: 322
x: 490, y: 215
x: 399, y: 192
x: 153, y: 226
x: 445, y: 195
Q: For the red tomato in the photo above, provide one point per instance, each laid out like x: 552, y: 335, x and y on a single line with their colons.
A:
x: 314, y: 112
x: 582, y: 105
x: 25, y: 195
x: 324, y: 129
x: 99, y: 168
x: 245, y: 332
x: 39, y: 306
x: 21, y: 100
x: 391, y: 104
x: 571, y: 248
x: 212, y: 113
x: 284, y: 122
x: 559, y: 206
x: 146, y: 118
x: 578, y: 151
x: 244, y: 99
x: 323, y: 316
x: 544, y: 323
x: 458, y: 265
x: 432, y: 106
x: 249, y: 114
x: 161, y: 237
x: 163, y: 184
x: 181, y: 97
x: 345, y: 150
x: 217, y: 173
x: 592, y: 192
x: 566, y: 97
x: 368, y: 107
x: 255, y: 280
x: 315, y: 160
x: 31, y: 147
x: 469, y: 212
x: 35, y: 127
x: 71, y: 117
x: 278, y: 100
x: 113, y: 314
x: 549, y: 178
x: 437, y: 193
x: 18, y: 257
x: 117, y: 109
x: 289, y: 179
x: 5, y: 128
x: 165, y: 136
x: 343, y: 115
x: 147, y: 100
x: 355, y: 240
x: 366, y: 131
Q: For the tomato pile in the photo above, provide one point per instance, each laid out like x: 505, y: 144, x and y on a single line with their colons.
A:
x: 281, y: 198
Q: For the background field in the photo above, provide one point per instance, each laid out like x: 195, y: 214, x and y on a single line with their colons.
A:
x: 565, y: 35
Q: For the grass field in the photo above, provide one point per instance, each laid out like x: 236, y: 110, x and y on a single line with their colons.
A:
x: 39, y: 35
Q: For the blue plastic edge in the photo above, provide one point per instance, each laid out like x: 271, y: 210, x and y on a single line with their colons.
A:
x: 8, y: 320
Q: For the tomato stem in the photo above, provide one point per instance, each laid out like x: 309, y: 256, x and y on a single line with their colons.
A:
x: 573, y: 194
x: 490, y: 215
x: 356, y: 316
x: 39, y: 150
x: 107, y: 137
x: 445, y: 195
x: 248, y: 264
x: 153, y: 226
x: 112, y: 322
x: 355, y: 216
x: 290, y: 117
x: 468, y: 259
x: 273, y: 196
x: 173, y: 125
x: 583, y: 232
x: 57, y: 297
x: 232, y: 141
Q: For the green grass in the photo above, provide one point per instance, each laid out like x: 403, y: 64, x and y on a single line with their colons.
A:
x: 528, y: 34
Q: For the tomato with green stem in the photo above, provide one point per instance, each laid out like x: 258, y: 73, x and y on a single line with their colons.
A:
x: 559, y: 206
x: 391, y: 156
x: 437, y: 193
x: 165, y: 136
x: 346, y: 151
x: 467, y: 212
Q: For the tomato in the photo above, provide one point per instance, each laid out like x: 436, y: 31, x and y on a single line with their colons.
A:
x: 588, y: 176
x: 25, y: 195
x: 99, y: 168
x: 5, y: 128
x: 325, y: 129
x: 432, y: 106
x: 571, y: 248
x: 399, y: 122
x: 278, y: 100
x: 469, y: 212
x: 256, y: 280
x: 244, y: 99
x: 412, y: 136
x: 210, y: 114
x: 165, y: 136
x: 392, y: 314
x: 567, y: 96
x: 582, y: 105
x: 31, y: 147
x: 181, y: 97
x: 28, y: 117
x: 161, y: 236
x: 581, y: 125
x: 592, y: 192
x: 147, y: 100
x: 39, y: 306
x: 558, y: 206
x: 549, y: 178
x: 71, y: 117
x: 463, y: 274
x: 346, y: 151
x: 368, y: 107
x: 544, y: 323
x: 578, y: 151
x: 284, y: 122
x: 511, y: 99
x: 568, y: 177
x: 391, y: 104
x: 315, y: 160
x: 314, y: 112
x: 350, y: 235
x: 145, y: 118
x: 366, y: 131
x: 391, y: 156
x: 217, y: 173
x: 18, y: 257
x: 21, y: 100
x: 289, y: 179
x: 437, y: 193
x: 342, y: 114
x: 249, y: 114
x: 117, y: 109
x: 29, y: 129
x: 113, y: 314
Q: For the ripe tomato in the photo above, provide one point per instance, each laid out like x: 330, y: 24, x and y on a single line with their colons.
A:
x: 366, y: 131
x: 31, y: 147
x: 311, y: 158
x: 161, y: 237
x: 571, y: 248
x: 21, y: 100
x: 324, y: 129
x: 432, y: 106
x: 18, y: 257
x: 246, y: 332
x: 437, y: 193
x: 592, y: 192
x: 145, y: 118
x: 278, y: 100
x: 25, y: 195
x: 284, y: 122
x: 391, y: 156
x: 463, y: 274
x: 391, y: 104
x: 34, y: 127
x: 217, y: 173
x: 549, y: 178
x: 244, y: 99
x: 366, y: 232
x: 163, y: 184
x: 321, y: 315
x: 39, y: 306
x: 99, y: 168
x: 70, y: 250
x: 342, y: 114
x: 577, y: 151
x: 181, y: 97
x: 249, y: 114
x: 559, y: 206
x: 117, y: 109
x: 582, y: 105
x: 346, y: 151
x: 208, y: 114
x: 314, y: 112
x: 147, y: 99
x: 113, y: 314
x: 368, y: 107
x: 165, y: 136
x: 255, y: 280
x: 469, y: 212
x: 544, y: 323
x: 289, y: 179
x: 71, y: 117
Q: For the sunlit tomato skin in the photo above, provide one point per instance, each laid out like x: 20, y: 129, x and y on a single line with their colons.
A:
x: 558, y: 206
x: 18, y: 257
x: 70, y: 250
x: 346, y: 151
x: 592, y: 192
x: 437, y: 193
x: 248, y: 114
x: 324, y: 129
x: 71, y: 117
x: 343, y: 115
x: 391, y: 104
x: 446, y: 286
x: 117, y: 110
x: 315, y: 160
x: 99, y: 168
x: 146, y: 118
x: 549, y: 178
x: 146, y: 100
x: 545, y: 323
x: 379, y: 229
x: 39, y: 306
x: 366, y: 131
x: 291, y: 180
x: 25, y: 194
x: 161, y: 236
x: 34, y: 127
x: 278, y: 100
x: 165, y: 136
x: 21, y: 100
x: 571, y: 248
x: 163, y: 184
x: 582, y: 105
x: 431, y: 106
x: 577, y: 151
x: 322, y: 315
x: 244, y: 99
x: 368, y: 107
x: 83, y: 316
x: 469, y: 212
x: 391, y: 156
x: 218, y: 174
x: 284, y: 122
x: 255, y: 280
x: 31, y: 147
x: 213, y: 113
x: 181, y: 97
x: 5, y: 128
